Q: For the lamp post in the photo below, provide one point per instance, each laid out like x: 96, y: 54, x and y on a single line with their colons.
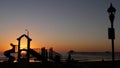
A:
x: 111, y: 31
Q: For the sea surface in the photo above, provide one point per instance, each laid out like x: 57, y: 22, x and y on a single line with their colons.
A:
x: 81, y: 57
x: 94, y: 56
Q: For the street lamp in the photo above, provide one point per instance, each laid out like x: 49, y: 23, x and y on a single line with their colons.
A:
x: 111, y: 31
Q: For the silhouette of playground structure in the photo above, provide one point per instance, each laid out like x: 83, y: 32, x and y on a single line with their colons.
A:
x: 44, y: 56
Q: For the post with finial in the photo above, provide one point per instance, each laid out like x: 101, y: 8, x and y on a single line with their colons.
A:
x: 27, y: 32
x: 111, y: 31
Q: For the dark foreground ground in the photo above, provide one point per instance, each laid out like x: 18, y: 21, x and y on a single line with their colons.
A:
x: 105, y: 64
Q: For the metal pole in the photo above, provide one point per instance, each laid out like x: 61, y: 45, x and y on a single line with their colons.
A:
x: 111, y: 10
x: 113, y: 56
x: 112, y: 42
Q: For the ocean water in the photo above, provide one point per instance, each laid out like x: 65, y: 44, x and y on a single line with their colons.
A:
x: 81, y: 57
x: 93, y: 56
x: 2, y: 57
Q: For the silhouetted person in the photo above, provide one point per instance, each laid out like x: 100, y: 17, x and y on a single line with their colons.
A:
x: 44, y: 54
x: 69, y: 58
x: 57, y: 58
x: 51, y: 53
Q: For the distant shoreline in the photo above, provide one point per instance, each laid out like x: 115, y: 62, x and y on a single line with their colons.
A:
x: 82, y: 57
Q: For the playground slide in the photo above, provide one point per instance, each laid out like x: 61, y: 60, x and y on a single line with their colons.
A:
x: 7, y: 54
x: 35, y: 54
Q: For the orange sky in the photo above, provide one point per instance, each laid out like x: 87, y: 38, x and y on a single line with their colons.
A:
x: 80, y: 25
x: 62, y: 46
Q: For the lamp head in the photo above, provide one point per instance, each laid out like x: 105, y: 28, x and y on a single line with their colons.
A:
x: 111, y: 9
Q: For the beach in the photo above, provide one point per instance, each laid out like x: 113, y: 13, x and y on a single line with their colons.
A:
x: 95, y: 64
x: 82, y: 60
x: 81, y: 57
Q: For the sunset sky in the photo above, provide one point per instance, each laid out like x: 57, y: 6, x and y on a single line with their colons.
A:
x: 80, y: 25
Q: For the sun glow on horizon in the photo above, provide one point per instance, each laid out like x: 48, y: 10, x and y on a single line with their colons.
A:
x: 23, y: 46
